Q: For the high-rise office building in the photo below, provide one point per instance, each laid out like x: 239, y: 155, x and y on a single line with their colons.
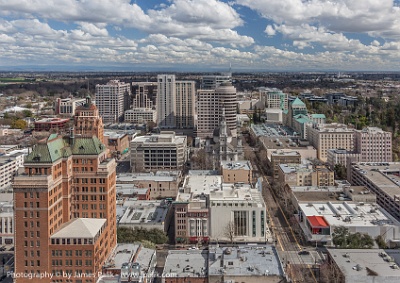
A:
x: 141, y: 94
x: 166, y: 101
x: 210, y: 105
x: 65, y: 210
x: 111, y: 100
x: 175, y: 103
x: 214, y: 81
x: 185, y: 96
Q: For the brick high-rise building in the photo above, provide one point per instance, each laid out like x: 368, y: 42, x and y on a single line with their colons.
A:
x: 87, y: 121
x: 65, y: 210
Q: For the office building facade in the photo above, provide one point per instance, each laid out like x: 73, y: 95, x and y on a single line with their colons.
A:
x: 110, y: 100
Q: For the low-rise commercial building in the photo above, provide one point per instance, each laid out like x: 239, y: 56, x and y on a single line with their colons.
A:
x: 117, y: 143
x: 282, y: 157
x: 305, y: 175
x: 186, y: 266
x: 144, y: 214
x: 319, y: 219
x: 129, y: 263
x: 164, y: 151
x: 237, y: 171
x: 140, y: 115
x: 244, y: 263
x: 365, y: 265
x: 67, y: 106
x: 51, y: 124
x: 161, y: 184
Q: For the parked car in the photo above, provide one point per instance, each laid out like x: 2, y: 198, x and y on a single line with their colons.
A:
x: 304, y: 253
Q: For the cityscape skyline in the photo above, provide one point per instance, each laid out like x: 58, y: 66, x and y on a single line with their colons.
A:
x: 204, y: 34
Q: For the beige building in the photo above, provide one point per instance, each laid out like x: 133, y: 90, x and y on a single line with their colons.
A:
x: 282, y: 157
x: 140, y: 115
x: 237, y: 171
x: 7, y: 223
x: 209, y: 109
x: 305, y: 175
x: 110, y: 100
x: 374, y: 145
x: 328, y: 136
x: 341, y: 156
x: 164, y: 151
x: 141, y: 93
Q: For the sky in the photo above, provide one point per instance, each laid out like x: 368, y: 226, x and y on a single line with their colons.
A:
x: 259, y: 35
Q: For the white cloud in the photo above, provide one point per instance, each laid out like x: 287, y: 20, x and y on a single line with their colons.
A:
x: 269, y: 30
x: 379, y: 17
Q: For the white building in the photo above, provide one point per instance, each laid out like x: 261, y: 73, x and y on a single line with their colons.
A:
x: 274, y: 98
x: 175, y: 102
x: 8, y: 168
x: 164, y: 151
x: 209, y: 109
x: 6, y: 219
x: 238, y: 214
x: 110, y: 100
x: 319, y: 219
x: 67, y: 106
x: 214, y: 81
x: 140, y: 115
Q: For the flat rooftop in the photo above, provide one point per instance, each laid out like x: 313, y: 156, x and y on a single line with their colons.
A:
x: 271, y: 130
x: 144, y: 212
x: 358, y: 264
x: 384, y: 175
x: 347, y: 213
x: 189, y: 263
x: 137, y: 177
x: 123, y: 253
x: 236, y: 165
x: 244, y: 260
x: 200, y: 184
x: 295, y: 168
x: 238, y: 193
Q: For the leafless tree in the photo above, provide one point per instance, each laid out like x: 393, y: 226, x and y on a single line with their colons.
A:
x: 229, y: 231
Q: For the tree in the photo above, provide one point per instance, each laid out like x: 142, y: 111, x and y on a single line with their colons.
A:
x: 19, y: 124
x: 229, y: 231
x: 129, y: 235
x: 27, y: 113
x: 343, y: 239
x: 340, y: 172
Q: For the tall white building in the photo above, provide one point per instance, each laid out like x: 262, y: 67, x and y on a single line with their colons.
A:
x: 214, y: 81
x: 209, y: 109
x: 110, y: 100
x: 166, y: 97
x: 175, y: 102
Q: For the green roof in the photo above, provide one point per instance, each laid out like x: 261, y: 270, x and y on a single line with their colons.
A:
x: 318, y: 116
x: 57, y: 147
x: 303, y: 120
x: 47, y: 152
x: 298, y: 102
x: 87, y: 146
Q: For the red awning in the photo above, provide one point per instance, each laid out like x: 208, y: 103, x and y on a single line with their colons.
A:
x: 317, y: 221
